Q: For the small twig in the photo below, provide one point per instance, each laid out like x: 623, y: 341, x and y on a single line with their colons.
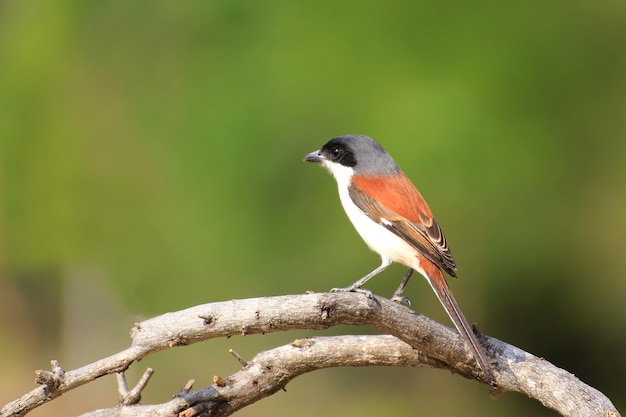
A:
x: 187, y: 387
x: 217, y: 380
x: 133, y: 396
x: 122, y: 385
x: 195, y: 410
x: 52, y: 379
x: 241, y: 360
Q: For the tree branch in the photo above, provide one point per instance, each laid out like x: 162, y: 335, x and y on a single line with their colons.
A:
x: 270, y: 371
x: 439, y: 347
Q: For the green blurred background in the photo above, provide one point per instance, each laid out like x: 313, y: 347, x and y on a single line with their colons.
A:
x: 151, y: 160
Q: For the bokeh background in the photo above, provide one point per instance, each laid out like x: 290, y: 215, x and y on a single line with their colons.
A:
x: 151, y: 160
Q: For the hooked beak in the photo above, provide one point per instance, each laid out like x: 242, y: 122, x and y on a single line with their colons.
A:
x: 314, y: 157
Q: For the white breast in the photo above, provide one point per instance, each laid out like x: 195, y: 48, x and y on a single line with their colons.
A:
x: 377, y: 237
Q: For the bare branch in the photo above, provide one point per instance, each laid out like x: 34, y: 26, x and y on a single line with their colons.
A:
x: 271, y: 370
x: 441, y: 346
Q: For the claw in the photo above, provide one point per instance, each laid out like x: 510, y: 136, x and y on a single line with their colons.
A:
x: 402, y: 300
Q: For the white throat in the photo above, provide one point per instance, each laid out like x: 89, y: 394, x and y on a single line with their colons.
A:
x: 343, y: 174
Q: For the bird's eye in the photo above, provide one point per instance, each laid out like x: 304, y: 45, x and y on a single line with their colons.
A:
x: 336, y: 152
x: 341, y: 154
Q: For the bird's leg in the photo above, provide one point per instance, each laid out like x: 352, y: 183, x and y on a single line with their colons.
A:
x: 356, y: 287
x: 397, y: 295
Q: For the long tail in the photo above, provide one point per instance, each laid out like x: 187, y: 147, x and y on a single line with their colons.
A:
x: 440, y: 286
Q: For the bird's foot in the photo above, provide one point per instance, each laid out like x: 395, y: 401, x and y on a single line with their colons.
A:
x: 401, y: 299
x: 354, y: 288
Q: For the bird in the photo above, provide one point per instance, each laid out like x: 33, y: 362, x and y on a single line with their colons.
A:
x: 394, y: 220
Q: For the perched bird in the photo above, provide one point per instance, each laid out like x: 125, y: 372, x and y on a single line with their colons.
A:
x: 394, y: 220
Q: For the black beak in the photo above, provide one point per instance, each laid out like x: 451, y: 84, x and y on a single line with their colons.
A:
x: 314, y: 157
